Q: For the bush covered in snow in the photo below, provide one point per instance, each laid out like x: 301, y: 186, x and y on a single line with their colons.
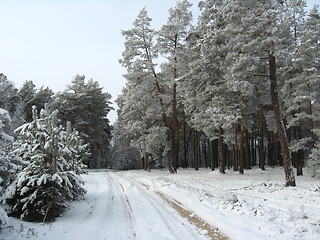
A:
x: 42, y: 189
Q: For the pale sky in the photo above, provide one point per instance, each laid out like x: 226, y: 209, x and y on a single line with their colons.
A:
x: 50, y: 41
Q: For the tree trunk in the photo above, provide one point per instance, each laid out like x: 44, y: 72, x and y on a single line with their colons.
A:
x: 253, y: 148
x: 247, y: 149
x: 215, y: 154
x: 221, y: 152
x: 235, y: 149
x: 262, y: 156
x: 196, y: 150
x: 300, y: 161
x: 175, y: 130
x: 242, y: 148
x: 211, y: 154
x: 170, y: 162
x: 206, y: 153
x: 290, y: 179
x: 145, y: 160
x: 185, y: 148
x: 271, y: 149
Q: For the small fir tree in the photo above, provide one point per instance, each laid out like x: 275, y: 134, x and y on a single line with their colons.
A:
x: 42, y: 189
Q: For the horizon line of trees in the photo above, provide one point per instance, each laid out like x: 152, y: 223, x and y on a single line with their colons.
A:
x: 240, y: 88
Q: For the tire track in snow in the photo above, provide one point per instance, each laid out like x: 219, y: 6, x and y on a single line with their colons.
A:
x: 153, y: 217
x: 121, y: 224
x: 126, y: 207
x: 213, y: 232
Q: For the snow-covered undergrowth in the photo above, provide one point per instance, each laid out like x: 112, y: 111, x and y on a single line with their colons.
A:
x: 255, y: 205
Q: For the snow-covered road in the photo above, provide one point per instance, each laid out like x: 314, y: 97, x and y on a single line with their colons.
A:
x: 116, y: 208
x: 144, y: 205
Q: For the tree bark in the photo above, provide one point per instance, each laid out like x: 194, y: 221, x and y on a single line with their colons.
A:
x: 184, y: 163
x: 175, y: 130
x: 247, y: 149
x: 235, y: 148
x: 215, y: 153
x: 221, y: 152
x: 242, y: 148
x: 262, y: 156
x: 290, y: 179
x: 196, y: 150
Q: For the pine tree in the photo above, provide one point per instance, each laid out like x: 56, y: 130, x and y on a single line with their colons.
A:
x: 86, y: 106
x: 26, y: 94
x: 8, y: 94
x: 171, y: 44
x: 10, y: 100
x: 42, y: 189
x: 143, y: 113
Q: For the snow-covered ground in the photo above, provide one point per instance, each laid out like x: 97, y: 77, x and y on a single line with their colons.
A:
x: 115, y: 208
x: 130, y: 205
x: 250, y: 206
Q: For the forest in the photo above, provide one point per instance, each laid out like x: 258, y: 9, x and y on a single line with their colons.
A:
x: 236, y: 89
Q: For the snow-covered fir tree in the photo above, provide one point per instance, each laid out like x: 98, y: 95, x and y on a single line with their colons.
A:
x: 42, y: 189
x: 26, y: 94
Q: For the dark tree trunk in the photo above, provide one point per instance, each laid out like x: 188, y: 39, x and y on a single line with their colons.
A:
x: 290, y: 179
x: 253, y: 148
x: 175, y: 130
x: 196, y: 150
x: 242, y: 149
x: 185, y: 148
x: 300, y: 160
x: 247, y: 149
x: 145, y: 160
x: 221, y: 152
x: 212, y: 153
x: 215, y: 154
x: 170, y: 163
x: 235, y: 149
x: 206, y: 153
x: 262, y: 156
x: 271, y: 149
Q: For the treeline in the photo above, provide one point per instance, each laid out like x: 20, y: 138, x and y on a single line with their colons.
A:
x: 238, y: 89
x: 82, y: 103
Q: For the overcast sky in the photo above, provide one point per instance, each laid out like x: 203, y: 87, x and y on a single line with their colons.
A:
x: 50, y: 41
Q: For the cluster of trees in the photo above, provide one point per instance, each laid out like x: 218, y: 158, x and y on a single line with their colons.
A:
x: 240, y: 88
x: 46, y: 141
x: 83, y: 103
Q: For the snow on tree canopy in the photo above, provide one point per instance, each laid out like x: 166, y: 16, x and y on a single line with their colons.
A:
x: 42, y: 189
